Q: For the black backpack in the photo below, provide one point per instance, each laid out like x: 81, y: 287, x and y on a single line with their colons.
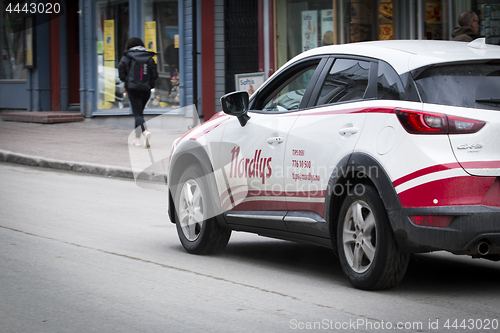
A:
x: 140, y: 74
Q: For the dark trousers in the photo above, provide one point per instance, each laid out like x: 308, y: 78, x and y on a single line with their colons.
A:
x: 138, y: 101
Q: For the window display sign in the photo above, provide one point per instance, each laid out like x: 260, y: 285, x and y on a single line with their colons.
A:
x: 385, y: 23
x: 109, y: 81
x: 249, y: 82
x: 109, y: 40
x: 327, y: 26
x: 361, y: 12
x: 176, y: 41
x: 433, y: 24
x: 28, y: 42
x: 109, y: 62
x: 150, y: 37
x: 309, y: 29
x: 100, y: 47
x: 433, y: 12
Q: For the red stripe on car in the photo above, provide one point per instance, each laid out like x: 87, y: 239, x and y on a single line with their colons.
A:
x: 467, y: 190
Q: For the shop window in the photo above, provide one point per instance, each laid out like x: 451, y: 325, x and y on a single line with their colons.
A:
x: 489, y: 16
x: 12, y: 67
x: 347, y: 81
x: 302, y: 25
x: 361, y: 20
x: 366, y: 20
x: 434, y: 20
x: 112, y: 27
x: 488, y: 12
x: 160, y: 22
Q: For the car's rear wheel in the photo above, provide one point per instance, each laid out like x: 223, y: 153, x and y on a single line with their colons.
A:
x: 368, y: 252
x: 198, y: 232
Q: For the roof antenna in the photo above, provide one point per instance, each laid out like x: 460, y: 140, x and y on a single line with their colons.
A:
x: 479, y: 43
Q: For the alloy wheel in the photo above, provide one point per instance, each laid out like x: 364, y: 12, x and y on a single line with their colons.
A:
x: 191, y: 210
x: 359, y: 236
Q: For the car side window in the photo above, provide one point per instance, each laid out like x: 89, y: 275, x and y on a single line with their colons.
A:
x: 389, y: 85
x: 289, y: 94
x: 346, y: 81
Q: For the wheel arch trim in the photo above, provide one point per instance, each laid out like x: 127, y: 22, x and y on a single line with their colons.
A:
x: 350, y: 166
x: 188, y: 152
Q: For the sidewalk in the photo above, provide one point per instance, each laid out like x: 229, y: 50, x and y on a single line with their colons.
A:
x: 78, y: 146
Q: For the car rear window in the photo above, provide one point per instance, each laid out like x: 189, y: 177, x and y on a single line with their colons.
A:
x: 469, y: 85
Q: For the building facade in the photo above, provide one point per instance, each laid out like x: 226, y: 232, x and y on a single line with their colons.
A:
x: 67, y: 60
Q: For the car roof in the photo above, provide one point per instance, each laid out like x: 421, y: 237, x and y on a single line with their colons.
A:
x: 407, y: 55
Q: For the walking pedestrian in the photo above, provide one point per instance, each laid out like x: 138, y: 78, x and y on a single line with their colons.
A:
x: 467, y: 29
x: 137, y: 69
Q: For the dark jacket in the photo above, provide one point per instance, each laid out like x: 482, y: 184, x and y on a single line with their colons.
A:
x: 125, y: 61
x: 463, y: 34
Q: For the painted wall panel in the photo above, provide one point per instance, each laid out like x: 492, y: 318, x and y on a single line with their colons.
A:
x: 14, y: 95
x: 220, y: 81
x: 188, y: 51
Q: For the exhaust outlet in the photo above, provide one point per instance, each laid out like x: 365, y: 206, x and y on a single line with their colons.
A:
x: 483, y: 248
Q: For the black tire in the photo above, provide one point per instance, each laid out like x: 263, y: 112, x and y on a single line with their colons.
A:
x: 368, y: 252
x: 198, y: 232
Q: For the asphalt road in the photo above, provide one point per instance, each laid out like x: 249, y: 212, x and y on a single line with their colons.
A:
x: 82, y: 253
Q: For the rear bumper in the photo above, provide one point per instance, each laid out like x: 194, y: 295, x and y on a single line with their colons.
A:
x: 471, y: 227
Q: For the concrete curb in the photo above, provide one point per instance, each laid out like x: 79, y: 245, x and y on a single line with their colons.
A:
x: 97, y: 169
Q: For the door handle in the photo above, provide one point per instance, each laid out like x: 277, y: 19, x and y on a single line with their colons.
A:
x: 276, y: 139
x: 349, y: 130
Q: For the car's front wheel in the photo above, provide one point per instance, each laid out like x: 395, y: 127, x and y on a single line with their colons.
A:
x: 368, y: 252
x: 198, y: 232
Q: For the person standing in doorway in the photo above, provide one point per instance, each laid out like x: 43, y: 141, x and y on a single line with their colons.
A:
x: 137, y: 69
x: 467, y: 29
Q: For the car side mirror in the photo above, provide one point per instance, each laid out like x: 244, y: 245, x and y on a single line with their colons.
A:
x: 236, y: 104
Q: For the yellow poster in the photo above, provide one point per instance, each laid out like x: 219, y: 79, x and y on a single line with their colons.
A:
x: 109, y: 40
x: 29, y: 57
x: 150, y: 36
x: 109, y: 81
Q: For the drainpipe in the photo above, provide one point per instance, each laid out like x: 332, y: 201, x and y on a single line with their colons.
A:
x: 421, y: 20
x: 182, y: 63
x: 30, y: 90
x: 83, y: 105
x: 196, y: 83
x: 267, y: 65
x: 64, y: 59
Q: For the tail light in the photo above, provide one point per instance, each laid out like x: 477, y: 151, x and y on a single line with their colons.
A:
x: 437, y: 221
x: 417, y: 122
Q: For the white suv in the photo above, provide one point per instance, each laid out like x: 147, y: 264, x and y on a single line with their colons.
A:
x: 376, y: 150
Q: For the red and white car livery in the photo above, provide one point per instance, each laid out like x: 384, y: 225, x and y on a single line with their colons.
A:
x: 376, y: 150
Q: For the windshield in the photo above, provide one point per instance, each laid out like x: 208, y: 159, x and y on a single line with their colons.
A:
x: 466, y: 85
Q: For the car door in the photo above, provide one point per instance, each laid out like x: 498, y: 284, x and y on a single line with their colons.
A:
x: 252, y: 155
x: 324, y: 134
